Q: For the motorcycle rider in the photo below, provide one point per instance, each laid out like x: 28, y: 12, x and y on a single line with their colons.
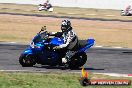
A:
x: 46, y: 6
x: 128, y: 10
x: 70, y: 40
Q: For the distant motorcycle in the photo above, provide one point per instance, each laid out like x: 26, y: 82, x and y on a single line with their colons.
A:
x: 41, y: 51
x: 45, y: 7
x: 126, y: 13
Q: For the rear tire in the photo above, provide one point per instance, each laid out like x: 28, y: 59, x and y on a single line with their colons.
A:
x: 27, y: 60
x: 78, y: 60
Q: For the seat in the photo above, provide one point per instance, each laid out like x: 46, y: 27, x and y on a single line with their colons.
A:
x: 82, y: 43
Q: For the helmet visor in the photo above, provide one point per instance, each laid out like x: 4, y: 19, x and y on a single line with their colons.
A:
x: 63, y: 28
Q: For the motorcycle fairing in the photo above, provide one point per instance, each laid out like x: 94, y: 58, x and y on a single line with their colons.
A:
x: 27, y: 51
x: 90, y: 42
x: 56, y: 41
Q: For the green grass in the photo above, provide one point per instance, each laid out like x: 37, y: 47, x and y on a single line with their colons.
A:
x: 47, y: 80
x: 64, y: 11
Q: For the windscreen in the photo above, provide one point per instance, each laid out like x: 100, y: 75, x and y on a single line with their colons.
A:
x: 40, y: 37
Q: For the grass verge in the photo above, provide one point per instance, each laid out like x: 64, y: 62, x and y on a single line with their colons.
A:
x: 65, y: 11
x: 49, y: 80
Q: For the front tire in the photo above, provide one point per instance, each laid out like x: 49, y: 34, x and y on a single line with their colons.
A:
x: 27, y: 60
x: 78, y: 60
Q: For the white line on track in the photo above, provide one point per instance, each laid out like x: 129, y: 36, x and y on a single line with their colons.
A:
x: 118, y: 47
x: 109, y: 47
x: 97, y: 46
x: 8, y: 42
x: 12, y: 42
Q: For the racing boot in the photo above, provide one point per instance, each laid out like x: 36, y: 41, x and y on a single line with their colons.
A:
x: 67, y: 57
x: 64, y: 60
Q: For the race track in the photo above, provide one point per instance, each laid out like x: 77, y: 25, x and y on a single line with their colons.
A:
x: 53, y: 16
x: 108, y: 60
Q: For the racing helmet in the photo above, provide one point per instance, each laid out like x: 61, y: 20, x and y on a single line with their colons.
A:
x: 65, y: 25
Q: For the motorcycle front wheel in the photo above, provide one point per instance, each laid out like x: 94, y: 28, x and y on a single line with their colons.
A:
x: 27, y: 60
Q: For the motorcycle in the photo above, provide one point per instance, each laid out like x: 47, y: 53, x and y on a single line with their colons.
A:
x: 41, y: 51
x: 126, y: 13
x: 46, y: 8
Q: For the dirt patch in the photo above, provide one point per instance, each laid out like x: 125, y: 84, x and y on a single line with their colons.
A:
x: 106, y: 33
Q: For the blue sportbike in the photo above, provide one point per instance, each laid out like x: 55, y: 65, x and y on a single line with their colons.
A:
x: 41, y: 51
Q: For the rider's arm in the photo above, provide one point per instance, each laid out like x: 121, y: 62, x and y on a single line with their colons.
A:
x: 56, y: 34
x: 52, y: 33
x: 67, y: 40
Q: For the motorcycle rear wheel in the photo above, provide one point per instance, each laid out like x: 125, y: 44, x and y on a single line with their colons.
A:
x: 27, y: 60
x: 78, y: 60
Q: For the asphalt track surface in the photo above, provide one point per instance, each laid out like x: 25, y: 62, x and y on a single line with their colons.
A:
x: 53, y: 16
x: 108, y: 60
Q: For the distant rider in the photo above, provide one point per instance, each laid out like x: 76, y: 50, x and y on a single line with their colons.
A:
x: 128, y: 8
x: 47, y: 5
x: 70, y: 40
